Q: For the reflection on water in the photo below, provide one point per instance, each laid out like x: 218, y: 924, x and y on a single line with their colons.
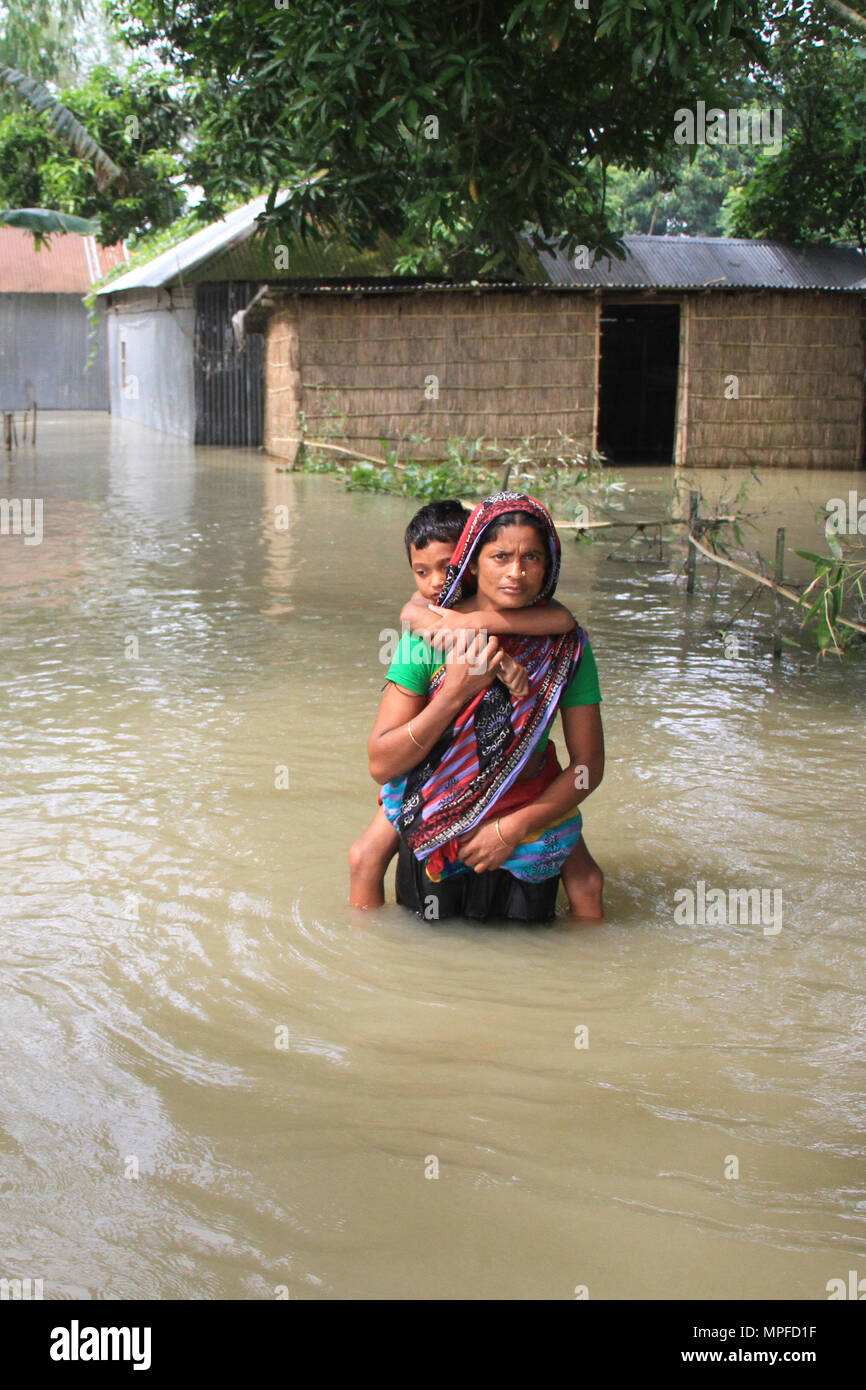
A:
x: 218, y: 1080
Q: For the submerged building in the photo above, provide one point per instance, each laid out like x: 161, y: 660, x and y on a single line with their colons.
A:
x: 51, y: 351
x: 176, y: 363
x: 702, y: 351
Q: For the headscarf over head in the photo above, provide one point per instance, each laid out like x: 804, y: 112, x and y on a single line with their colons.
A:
x: 472, y: 538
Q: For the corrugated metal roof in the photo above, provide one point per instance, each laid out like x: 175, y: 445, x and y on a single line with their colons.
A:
x: 394, y: 284
x: 652, y: 263
x: 669, y: 262
x: 200, y: 247
x: 274, y: 294
x: 68, y: 264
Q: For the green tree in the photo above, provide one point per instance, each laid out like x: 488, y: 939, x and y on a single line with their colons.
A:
x: 454, y: 124
x: 688, y: 198
x: 814, y: 188
x: 25, y: 145
x: 137, y: 122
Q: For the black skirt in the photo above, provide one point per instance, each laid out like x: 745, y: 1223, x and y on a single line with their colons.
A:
x: 476, y: 896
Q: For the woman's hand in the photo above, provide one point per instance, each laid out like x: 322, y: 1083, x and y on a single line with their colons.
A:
x: 472, y: 664
x: 514, y: 677
x: 483, y: 849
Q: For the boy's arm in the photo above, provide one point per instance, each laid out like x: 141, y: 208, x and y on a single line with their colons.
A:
x: 519, y: 622
x: 413, y: 611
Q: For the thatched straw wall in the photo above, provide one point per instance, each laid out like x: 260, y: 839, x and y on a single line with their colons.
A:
x: 510, y: 366
x: 798, y: 362
x: 282, y: 381
x: 507, y: 366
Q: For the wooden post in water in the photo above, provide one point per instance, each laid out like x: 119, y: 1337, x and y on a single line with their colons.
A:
x: 34, y: 422
x: 300, y: 455
x: 691, y: 558
x: 779, y: 577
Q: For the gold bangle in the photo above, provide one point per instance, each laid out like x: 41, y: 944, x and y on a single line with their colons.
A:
x: 412, y: 736
x: 499, y: 833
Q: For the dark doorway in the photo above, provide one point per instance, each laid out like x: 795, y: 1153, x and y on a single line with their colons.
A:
x: 638, y: 382
x: 229, y: 385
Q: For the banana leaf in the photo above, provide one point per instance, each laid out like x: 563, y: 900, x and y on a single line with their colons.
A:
x: 43, y: 221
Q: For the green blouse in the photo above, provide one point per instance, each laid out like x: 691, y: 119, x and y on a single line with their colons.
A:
x: 415, y: 662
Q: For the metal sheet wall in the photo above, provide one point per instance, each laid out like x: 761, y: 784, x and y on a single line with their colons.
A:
x: 44, y: 346
x: 150, y: 351
x: 229, y: 386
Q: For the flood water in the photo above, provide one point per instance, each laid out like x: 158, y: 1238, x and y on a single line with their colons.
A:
x: 221, y: 1082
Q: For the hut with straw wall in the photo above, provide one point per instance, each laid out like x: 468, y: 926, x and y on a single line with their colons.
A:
x: 420, y: 369
x: 703, y: 352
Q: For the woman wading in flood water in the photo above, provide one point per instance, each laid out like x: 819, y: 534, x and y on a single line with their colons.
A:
x: 487, y: 818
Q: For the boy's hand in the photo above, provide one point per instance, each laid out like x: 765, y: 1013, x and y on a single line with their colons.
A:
x: 428, y: 620
x: 514, y: 676
x: 446, y: 620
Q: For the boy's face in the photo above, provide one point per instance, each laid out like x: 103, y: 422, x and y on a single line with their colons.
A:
x: 429, y: 567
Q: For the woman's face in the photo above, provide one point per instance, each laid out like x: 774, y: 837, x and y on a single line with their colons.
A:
x: 510, y: 569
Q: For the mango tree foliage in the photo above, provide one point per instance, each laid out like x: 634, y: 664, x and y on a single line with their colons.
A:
x: 453, y: 125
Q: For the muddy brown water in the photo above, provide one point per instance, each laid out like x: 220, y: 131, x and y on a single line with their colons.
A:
x: 220, y: 1082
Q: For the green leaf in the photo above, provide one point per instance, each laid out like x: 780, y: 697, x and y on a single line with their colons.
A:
x: 820, y: 561
x: 726, y: 15
x: 825, y: 636
x: 382, y: 109
x: 560, y: 23
x: 516, y: 14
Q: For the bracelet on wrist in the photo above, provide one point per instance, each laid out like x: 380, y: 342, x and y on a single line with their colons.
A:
x: 502, y: 838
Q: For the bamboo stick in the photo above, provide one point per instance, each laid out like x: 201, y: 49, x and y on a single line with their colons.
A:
x: 778, y: 575
x: 418, y: 389
x: 707, y: 524
x: 567, y: 412
x: 691, y: 558
x: 638, y: 525
x: 338, y: 448
x: 762, y: 579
